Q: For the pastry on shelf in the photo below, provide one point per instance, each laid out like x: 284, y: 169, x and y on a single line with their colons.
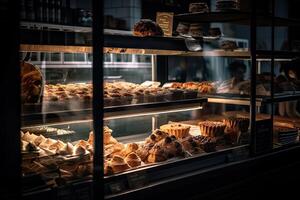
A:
x: 147, y: 27
x: 143, y: 151
x: 177, y: 129
x: 212, y: 128
x: 68, y: 149
x: 57, y: 145
x: 200, y: 7
x: 107, y: 137
x: 79, y: 150
x: 31, y: 83
x: 206, y: 87
x: 156, y: 136
x: 228, y: 45
x: 190, y: 145
x: 157, y: 154
x: 130, y: 148
x: 237, y: 123
x: 171, y: 146
x: 133, y: 160
x: 208, y: 144
x: 118, y: 164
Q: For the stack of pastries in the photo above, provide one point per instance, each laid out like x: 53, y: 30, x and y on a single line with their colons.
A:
x: 43, y: 155
x: 66, y: 92
x: 171, y: 141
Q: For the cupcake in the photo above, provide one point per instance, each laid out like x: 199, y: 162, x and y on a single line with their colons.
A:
x: 176, y: 129
x: 212, y: 128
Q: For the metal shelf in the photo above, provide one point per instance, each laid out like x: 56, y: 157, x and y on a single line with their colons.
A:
x: 34, y: 115
x: 146, y: 109
x: 245, y: 100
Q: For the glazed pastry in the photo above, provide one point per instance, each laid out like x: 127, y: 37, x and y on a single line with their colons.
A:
x: 208, y: 144
x: 156, y: 136
x: 143, y: 151
x: 133, y: 160
x: 146, y: 27
x: 176, y: 129
x: 118, y: 164
x: 190, y: 145
x: 212, y: 128
x: 157, y: 154
x: 171, y: 146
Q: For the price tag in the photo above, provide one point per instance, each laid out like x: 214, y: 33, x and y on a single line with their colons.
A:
x: 138, y: 179
x: 165, y: 21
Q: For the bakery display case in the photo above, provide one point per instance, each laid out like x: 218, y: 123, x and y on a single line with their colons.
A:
x: 127, y: 103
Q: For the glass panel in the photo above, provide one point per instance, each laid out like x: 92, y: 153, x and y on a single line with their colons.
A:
x: 56, y: 91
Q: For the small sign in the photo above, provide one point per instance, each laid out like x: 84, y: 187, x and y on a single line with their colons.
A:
x: 137, y: 180
x: 165, y: 21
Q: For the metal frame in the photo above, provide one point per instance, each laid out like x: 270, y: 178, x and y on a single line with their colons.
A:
x: 98, y: 173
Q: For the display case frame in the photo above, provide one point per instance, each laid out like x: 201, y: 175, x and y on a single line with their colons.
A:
x: 98, y: 111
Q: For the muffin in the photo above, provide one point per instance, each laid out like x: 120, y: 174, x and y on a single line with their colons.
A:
x: 212, y: 128
x: 196, y: 30
x: 176, y: 129
x: 157, y: 154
